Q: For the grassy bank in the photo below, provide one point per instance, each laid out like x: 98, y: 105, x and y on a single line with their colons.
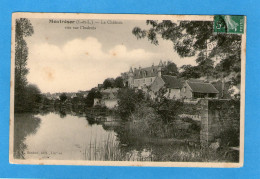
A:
x: 112, y: 150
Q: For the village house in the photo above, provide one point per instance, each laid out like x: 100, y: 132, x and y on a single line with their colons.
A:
x: 194, y: 89
x: 171, y: 84
x: 109, y: 98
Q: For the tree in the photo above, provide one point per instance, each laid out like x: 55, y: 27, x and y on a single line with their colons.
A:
x: 190, y: 71
x: 109, y: 83
x: 119, y: 82
x: 91, y: 96
x: 23, y: 28
x: 63, y: 97
x: 191, y: 37
x: 128, y: 101
x: 32, y: 97
x: 170, y: 69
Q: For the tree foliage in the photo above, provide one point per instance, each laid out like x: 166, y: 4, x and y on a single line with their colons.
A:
x: 113, y: 83
x: 119, y: 82
x: 109, y: 83
x: 23, y: 28
x: 32, y: 98
x: 170, y: 69
x: 63, y: 97
x: 128, y: 101
x: 190, y: 71
x: 94, y: 93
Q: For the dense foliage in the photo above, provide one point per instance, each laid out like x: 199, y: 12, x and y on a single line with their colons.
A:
x: 128, y: 101
x: 93, y: 93
x: 63, y: 97
x: 27, y: 96
x: 113, y: 83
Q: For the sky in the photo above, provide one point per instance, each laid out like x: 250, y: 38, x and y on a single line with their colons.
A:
x: 69, y: 60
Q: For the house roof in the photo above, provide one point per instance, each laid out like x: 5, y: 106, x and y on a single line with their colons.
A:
x: 109, y: 90
x: 199, y: 87
x: 172, y: 82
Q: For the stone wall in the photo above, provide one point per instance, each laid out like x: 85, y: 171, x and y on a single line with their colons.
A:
x: 216, y: 117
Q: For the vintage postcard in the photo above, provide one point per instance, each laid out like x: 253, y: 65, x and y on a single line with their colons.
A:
x: 127, y: 90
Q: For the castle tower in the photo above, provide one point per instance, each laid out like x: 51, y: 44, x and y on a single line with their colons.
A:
x: 160, y: 68
x: 131, y: 77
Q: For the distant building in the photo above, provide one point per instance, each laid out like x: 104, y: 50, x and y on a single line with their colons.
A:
x: 171, y: 84
x: 143, y: 77
x: 198, y: 89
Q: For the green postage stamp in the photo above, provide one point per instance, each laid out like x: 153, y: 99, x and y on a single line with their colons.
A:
x: 229, y: 24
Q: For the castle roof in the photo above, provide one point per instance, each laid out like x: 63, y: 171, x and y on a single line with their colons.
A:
x: 146, y: 72
x: 199, y: 87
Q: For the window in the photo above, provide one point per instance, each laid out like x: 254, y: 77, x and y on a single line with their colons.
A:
x: 212, y: 95
x: 170, y: 90
x: 199, y: 95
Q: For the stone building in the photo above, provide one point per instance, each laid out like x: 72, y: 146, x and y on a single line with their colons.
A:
x: 151, y: 80
x: 198, y: 89
x: 171, y: 84
x: 144, y: 77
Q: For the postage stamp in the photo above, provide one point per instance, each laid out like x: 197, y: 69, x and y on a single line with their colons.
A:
x: 229, y: 24
x: 127, y: 90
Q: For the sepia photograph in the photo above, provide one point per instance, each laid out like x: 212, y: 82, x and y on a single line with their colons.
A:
x: 127, y: 90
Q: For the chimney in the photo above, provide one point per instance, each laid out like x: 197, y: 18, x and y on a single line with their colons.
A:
x: 159, y: 71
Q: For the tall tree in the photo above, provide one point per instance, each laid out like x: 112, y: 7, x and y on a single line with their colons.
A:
x: 32, y: 97
x: 119, y: 83
x: 109, y: 83
x: 170, y: 69
x: 23, y: 28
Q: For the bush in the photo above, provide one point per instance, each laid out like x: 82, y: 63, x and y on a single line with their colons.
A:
x: 229, y: 138
x: 128, y: 101
x: 147, y: 122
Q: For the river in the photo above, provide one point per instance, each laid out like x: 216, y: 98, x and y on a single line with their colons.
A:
x: 63, y: 135
x: 60, y: 135
x: 69, y: 137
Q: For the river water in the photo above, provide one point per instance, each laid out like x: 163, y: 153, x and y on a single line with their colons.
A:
x: 60, y: 135
x: 70, y: 137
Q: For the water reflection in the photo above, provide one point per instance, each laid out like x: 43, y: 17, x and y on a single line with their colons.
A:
x: 73, y: 136
x: 53, y: 136
x: 24, y: 125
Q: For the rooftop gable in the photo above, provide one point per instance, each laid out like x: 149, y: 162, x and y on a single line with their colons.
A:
x: 146, y: 72
x: 200, y: 87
